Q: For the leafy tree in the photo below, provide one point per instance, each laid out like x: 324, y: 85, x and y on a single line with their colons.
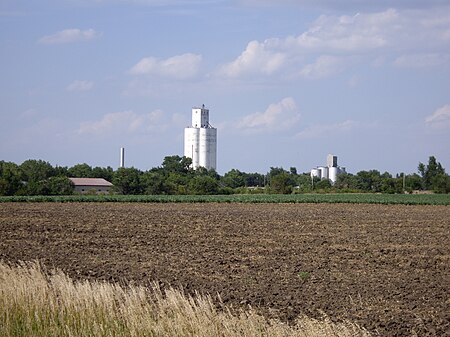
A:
x: 34, y: 171
x: 153, y: 182
x: 441, y: 183
x: 203, y: 184
x: 345, y: 181
x: 60, y: 186
x: 323, y: 184
x: 432, y: 174
x: 369, y: 181
x: 176, y: 164
x: 10, y: 178
x: 254, y: 179
x: 413, y: 182
x: 304, y: 183
x: 128, y: 181
x: 101, y: 172
x: 234, y: 179
x: 80, y: 171
x: 281, y: 183
x: 60, y: 171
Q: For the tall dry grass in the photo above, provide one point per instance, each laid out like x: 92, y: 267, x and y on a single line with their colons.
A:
x: 38, y: 303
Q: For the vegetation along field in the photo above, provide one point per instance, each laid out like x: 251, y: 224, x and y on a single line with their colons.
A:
x: 383, y: 267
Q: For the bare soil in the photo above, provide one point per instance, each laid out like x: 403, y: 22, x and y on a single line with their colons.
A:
x: 385, y: 267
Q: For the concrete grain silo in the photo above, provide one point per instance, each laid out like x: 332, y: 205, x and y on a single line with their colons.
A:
x: 200, y: 140
x: 330, y: 171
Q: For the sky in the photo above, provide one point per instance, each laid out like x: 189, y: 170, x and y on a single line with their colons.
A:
x: 287, y: 82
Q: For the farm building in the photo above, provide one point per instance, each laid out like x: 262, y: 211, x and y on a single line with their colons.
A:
x: 91, y: 185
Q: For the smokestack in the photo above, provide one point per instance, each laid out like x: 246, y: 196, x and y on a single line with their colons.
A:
x: 122, y: 157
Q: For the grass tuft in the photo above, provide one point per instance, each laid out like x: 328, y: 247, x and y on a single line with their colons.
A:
x: 34, y: 302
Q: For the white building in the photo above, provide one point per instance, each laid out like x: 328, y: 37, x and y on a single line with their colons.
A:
x: 330, y: 171
x: 200, y: 140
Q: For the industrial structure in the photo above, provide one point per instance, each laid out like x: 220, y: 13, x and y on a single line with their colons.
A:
x: 330, y: 171
x: 200, y: 140
x: 122, y: 157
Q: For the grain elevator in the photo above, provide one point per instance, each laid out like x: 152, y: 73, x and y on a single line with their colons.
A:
x: 330, y: 171
x: 200, y: 140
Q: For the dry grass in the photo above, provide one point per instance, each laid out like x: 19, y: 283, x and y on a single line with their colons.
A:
x: 38, y: 303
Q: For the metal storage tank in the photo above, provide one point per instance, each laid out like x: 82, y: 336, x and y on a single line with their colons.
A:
x: 315, y: 172
x: 323, y: 172
x: 332, y: 173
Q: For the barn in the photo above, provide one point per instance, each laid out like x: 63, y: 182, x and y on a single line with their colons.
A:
x: 91, y: 185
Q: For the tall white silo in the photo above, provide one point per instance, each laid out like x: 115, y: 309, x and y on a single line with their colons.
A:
x: 200, y: 140
x: 332, y: 173
x: 323, y: 172
x: 315, y: 172
x: 191, y: 145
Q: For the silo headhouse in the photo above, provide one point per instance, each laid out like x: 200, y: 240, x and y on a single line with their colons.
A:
x: 200, y: 140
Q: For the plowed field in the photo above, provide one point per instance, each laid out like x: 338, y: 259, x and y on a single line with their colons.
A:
x: 384, y: 267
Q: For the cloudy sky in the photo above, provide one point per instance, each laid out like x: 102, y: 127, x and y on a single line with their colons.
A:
x: 286, y: 81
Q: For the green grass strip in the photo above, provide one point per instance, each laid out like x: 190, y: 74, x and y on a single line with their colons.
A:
x: 401, y: 199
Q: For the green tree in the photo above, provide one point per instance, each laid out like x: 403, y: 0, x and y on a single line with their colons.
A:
x: 154, y: 182
x: 303, y: 182
x: 368, y: 181
x: 10, y: 178
x: 176, y: 164
x: 433, y: 174
x: 281, y: 183
x: 254, y: 179
x: 59, y: 186
x: 203, y: 184
x: 234, y: 179
x: 80, y: 171
x: 323, y: 184
x: 34, y: 171
x: 102, y: 172
x: 413, y: 182
x: 128, y: 181
x: 345, y: 181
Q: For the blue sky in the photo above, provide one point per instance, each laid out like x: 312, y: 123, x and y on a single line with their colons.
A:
x: 286, y: 81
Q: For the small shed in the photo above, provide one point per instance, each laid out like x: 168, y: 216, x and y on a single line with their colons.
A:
x: 91, y: 185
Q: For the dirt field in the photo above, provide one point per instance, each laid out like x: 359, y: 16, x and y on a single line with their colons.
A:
x: 386, y: 268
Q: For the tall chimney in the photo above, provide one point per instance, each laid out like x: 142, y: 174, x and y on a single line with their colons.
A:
x: 122, y: 157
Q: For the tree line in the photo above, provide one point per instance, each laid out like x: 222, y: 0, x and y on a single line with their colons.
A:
x: 175, y: 176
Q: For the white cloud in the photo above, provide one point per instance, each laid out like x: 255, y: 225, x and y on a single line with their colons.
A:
x: 78, y: 85
x: 439, y: 118
x: 256, y: 58
x: 422, y: 60
x: 342, y: 4
x: 327, y: 35
x: 69, y: 36
x: 183, y: 66
x: 124, y: 122
x: 333, y: 41
x: 357, y: 33
x: 324, y: 66
x: 320, y: 130
x: 278, y: 116
x: 158, y: 3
